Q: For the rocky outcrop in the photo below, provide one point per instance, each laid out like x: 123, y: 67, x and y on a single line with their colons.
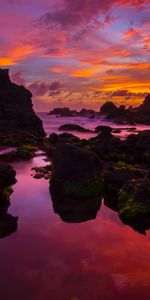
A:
x: 16, y: 109
x: 108, y: 108
x: 140, y: 114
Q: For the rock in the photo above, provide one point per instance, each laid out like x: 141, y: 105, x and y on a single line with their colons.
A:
x: 39, y: 175
x: 42, y: 172
x: 63, y: 137
x: 73, y: 127
x: 8, y: 224
x: 88, y: 113
x: 7, y: 176
x: 104, y: 129
x: 144, y: 108
x: 107, y: 146
x: 114, y: 180
x: 134, y: 204
x: 63, y: 112
x: 53, y: 138
x: 75, y: 210
x: 16, y: 112
x: 76, y: 184
x: 140, y: 114
x: 108, y: 108
x: 116, y: 130
x: 25, y: 152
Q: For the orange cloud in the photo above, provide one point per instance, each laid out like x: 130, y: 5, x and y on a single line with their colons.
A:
x: 21, y: 52
x: 83, y: 73
x: 6, y: 61
x: 15, y: 55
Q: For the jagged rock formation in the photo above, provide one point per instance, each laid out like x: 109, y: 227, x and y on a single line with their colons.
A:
x: 120, y: 114
x: 16, y: 109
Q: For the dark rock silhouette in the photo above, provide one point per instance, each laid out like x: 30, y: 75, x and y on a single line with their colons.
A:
x: 144, y: 108
x: 104, y: 129
x: 140, y: 114
x: 76, y: 184
x: 108, y: 108
x: 16, y: 111
x: 63, y: 137
x: 73, y: 127
x: 134, y: 204
x: 63, y: 112
x: 67, y: 112
x: 7, y: 176
x: 8, y: 223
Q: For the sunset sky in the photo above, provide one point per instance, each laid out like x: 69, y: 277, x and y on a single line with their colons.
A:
x: 77, y: 53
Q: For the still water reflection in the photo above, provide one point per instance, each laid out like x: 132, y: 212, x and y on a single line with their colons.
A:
x: 47, y: 258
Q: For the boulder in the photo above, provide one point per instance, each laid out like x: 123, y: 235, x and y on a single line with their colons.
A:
x: 103, y: 129
x: 73, y: 127
x: 76, y: 177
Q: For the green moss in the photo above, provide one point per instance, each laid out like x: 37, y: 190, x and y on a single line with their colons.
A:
x: 131, y: 210
x: 28, y: 147
x: 123, y: 165
x: 25, y: 152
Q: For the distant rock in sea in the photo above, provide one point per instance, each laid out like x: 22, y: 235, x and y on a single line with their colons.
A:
x: 140, y: 114
x: 67, y: 112
x: 16, y: 109
x: 63, y: 112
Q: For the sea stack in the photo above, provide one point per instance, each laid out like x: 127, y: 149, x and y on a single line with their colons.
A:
x: 16, y: 109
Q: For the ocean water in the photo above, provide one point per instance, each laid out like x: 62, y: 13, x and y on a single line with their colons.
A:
x: 52, y: 123
x: 48, y: 259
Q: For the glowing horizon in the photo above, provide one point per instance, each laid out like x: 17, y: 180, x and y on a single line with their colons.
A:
x: 77, y: 53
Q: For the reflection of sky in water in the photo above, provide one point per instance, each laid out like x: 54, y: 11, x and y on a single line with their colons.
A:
x: 52, y: 123
x: 49, y: 259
